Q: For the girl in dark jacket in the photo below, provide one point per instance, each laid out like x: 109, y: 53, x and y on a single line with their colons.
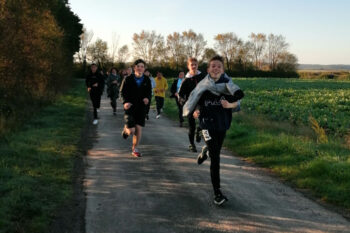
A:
x: 95, y: 84
x: 215, y: 116
x: 136, y: 91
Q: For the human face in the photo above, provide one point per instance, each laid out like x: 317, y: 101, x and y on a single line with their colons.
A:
x: 215, y: 69
x: 181, y: 75
x: 147, y: 73
x: 129, y: 71
x: 114, y: 72
x: 159, y: 75
x: 93, y: 69
x: 139, y: 69
x: 193, y: 67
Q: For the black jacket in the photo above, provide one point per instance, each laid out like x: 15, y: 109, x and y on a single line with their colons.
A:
x: 131, y: 93
x: 93, y: 78
x: 212, y: 115
x: 188, y: 84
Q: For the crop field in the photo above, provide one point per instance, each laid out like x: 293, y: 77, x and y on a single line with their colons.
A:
x: 295, y: 100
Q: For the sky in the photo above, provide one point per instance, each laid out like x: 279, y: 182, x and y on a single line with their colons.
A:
x: 318, y: 31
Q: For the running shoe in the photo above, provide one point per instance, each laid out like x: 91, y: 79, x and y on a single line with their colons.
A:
x: 203, y: 155
x: 220, y: 199
x: 158, y: 116
x: 192, y: 148
x: 95, y: 122
x: 136, y: 153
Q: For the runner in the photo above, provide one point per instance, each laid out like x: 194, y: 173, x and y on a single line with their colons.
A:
x: 113, y: 85
x: 175, y: 94
x: 159, y: 92
x: 95, y: 84
x: 136, y: 91
x: 193, y: 77
x: 214, y: 98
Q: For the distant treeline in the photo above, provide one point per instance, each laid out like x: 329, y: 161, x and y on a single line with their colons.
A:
x: 260, y: 56
x: 38, y: 41
x: 323, y: 67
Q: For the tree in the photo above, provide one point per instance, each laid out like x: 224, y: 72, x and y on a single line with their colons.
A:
x: 123, y: 53
x: 276, y: 45
x: 85, y: 40
x: 176, y: 50
x: 97, y: 52
x: 287, y: 62
x: 258, y: 44
x: 245, y: 57
x: 194, y: 44
x: 208, y: 54
x: 228, y: 45
x: 146, y: 45
x: 114, y: 46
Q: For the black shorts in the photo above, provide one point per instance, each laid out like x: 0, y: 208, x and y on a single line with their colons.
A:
x: 135, y: 115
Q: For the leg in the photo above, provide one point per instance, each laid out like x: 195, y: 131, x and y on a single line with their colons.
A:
x: 137, y: 136
x: 158, y: 104
x: 179, y: 107
x: 191, y: 128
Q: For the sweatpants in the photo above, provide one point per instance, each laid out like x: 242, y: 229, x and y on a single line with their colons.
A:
x: 95, y: 97
x: 191, y: 127
x: 179, y: 106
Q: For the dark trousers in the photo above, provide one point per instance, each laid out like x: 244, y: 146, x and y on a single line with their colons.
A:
x: 95, y: 97
x: 159, y: 103
x: 179, y: 106
x: 114, y: 97
x: 148, y: 106
x: 214, y: 146
x: 191, y: 127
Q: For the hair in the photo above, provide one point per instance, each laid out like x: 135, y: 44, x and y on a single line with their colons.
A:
x: 191, y: 59
x: 114, y: 68
x: 216, y: 58
x: 93, y: 64
x: 139, y: 61
x: 181, y: 71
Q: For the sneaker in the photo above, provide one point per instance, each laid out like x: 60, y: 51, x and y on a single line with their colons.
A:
x: 147, y: 117
x: 192, y: 148
x: 98, y: 110
x: 158, y: 116
x: 203, y: 155
x: 124, y: 134
x: 95, y: 122
x: 198, y: 134
x: 220, y: 199
x: 136, y: 153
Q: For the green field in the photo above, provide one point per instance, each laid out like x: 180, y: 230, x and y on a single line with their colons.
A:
x: 295, y: 100
x: 273, y: 130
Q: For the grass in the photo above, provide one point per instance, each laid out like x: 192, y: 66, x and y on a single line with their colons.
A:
x: 36, y: 164
x: 290, y: 151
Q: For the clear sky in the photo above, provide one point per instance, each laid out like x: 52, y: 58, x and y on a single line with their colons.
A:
x: 318, y: 31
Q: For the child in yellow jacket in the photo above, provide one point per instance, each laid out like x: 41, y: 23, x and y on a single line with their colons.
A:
x: 159, y: 92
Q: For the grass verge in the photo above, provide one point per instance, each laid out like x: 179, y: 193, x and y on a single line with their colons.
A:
x: 36, y: 164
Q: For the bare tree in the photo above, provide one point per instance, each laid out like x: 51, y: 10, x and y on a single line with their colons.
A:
x: 208, y: 54
x: 194, y: 44
x: 146, y: 45
x: 98, y: 52
x: 114, y: 46
x: 85, y: 40
x: 175, y: 49
x: 245, y: 56
x: 228, y: 45
x: 123, y: 53
x: 276, y: 45
x: 258, y: 42
x: 287, y: 62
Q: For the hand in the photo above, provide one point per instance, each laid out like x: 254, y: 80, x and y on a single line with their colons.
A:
x: 145, y: 101
x: 127, y: 106
x: 177, y: 95
x: 89, y: 89
x: 95, y: 85
x: 196, y: 114
x: 226, y: 104
x: 155, y: 91
x: 115, y: 82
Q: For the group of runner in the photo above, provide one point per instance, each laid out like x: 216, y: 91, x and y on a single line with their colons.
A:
x: 209, y: 97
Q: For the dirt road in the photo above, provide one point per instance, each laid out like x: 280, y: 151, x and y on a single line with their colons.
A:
x: 166, y: 191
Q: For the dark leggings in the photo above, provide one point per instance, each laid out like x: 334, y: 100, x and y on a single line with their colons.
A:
x: 214, y: 146
x: 159, y: 103
x: 179, y: 106
x: 95, y: 97
x: 191, y: 127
